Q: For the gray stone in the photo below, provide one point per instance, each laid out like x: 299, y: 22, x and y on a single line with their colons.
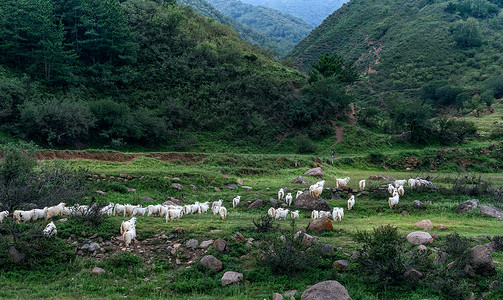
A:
x: 329, y: 249
x: 206, y: 244
x: 15, y: 255
x: 240, y: 181
x: 413, y: 274
x: 419, y: 238
x: 231, y: 186
x: 256, y: 204
x: 194, y: 188
x: 220, y: 245
x: 147, y: 199
x: 248, y: 188
x: 192, y: 243
x: 441, y: 258
x: 300, y: 180
x: 131, y: 190
x: 231, y: 277
x: 277, y: 296
x: 482, y: 261
x: 326, y: 290
x: 419, y: 205
x: 177, y: 186
x: 307, y: 202
x: 467, y: 206
x: 494, y: 285
x: 341, y: 264
x: 274, y: 202
x: 492, y: 212
x: 424, y: 224
x: 422, y: 248
x: 315, y: 172
x: 63, y: 220
x: 85, y: 247
x: 99, y: 192
x: 290, y: 293
x: 97, y: 271
x: 238, y: 237
x: 211, y: 262
x: 93, y: 247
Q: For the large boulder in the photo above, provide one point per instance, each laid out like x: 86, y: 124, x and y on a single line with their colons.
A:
x: 97, y: 271
x: 419, y: 205
x: 300, y: 180
x: 220, y: 245
x: 256, y: 204
x: 211, y: 262
x: 467, y: 206
x: 492, y: 212
x: 424, y: 224
x: 326, y: 290
x: 306, y: 201
x: 315, y: 172
x: 321, y: 225
x: 341, y: 264
x: 231, y: 277
x: 231, y: 186
x: 419, y: 238
x: 482, y: 260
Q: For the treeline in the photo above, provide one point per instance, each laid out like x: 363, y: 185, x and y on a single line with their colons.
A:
x: 108, y: 72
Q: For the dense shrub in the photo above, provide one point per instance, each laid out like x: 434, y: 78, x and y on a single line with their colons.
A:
x: 305, y: 145
x: 495, y: 84
x: 264, y: 223
x: 454, y: 131
x: 467, y: 33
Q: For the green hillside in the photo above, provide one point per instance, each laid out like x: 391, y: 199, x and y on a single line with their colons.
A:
x: 277, y: 44
x: 311, y: 11
x: 264, y: 19
x: 444, y: 52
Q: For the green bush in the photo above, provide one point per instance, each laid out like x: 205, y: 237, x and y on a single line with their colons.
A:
x: 454, y: 131
x: 467, y: 33
x: 495, y: 84
x: 305, y: 145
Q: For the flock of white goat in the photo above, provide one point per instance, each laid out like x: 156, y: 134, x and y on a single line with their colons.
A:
x: 175, y: 212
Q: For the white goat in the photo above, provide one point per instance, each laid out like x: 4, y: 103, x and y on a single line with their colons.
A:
x: 203, y: 207
x: 22, y: 215
x: 223, y: 212
x: 338, y: 213
x: 351, y: 202
x: 3, y: 215
x: 281, y: 213
x: 39, y: 213
x: 129, y: 208
x: 154, y: 210
x: 412, y: 183
x: 129, y: 235
x: 271, y: 212
x: 317, y: 189
x: 315, y: 214
x: 289, y: 198
x: 235, y: 201
x: 298, y: 194
x: 139, y: 211
x: 120, y: 209
x: 174, y: 214
x: 392, y: 201
x: 281, y: 194
x: 108, y: 210
x: 215, y: 206
x: 50, y: 230
x: 342, y: 182
x: 53, y: 211
x: 126, y: 225
x: 398, y: 183
x: 323, y: 213
x: 400, y: 190
x: 362, y: 184
x: 294, y: 214
x: 391, y: 188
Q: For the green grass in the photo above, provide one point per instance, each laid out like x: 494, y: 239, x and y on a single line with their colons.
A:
x: 487, y: 123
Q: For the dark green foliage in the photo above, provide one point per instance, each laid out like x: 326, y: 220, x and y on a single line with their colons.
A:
x: 467, y: 33
x: 123, y: 263
x: 332, y: 65
x: 454, y: 131
x: 370, y: 116
x: 305, y: 145
x: 496, y: 85
x: 36, y: 249
x: 106, y: 229
x: 385, y: 261
x: 413, y: 116
x: 264, y: 223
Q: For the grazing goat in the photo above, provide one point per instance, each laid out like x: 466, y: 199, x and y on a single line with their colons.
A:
x: 50, y: 230
x: 153, y: 210
x: 392, y: 201
x: 203, y: 207
x: 281, y: 213
x: 108, y: 210
x: 163, y: 211
x: 3, y: 215
x: 327, y: 214
x: 315, y: 214
x: 174, y: 214
x: 342, y: 182
x: 39, y: 213
x: 316, y: 189
x: 129, y: 235
x: 215, y: 206
x: 294, y: 214
x: 21, y: 215
x: 271, y: 212
x: 391, y: 188
x: 53, y: 211
x: 126, y: 225
x: 362, y: 184
x: 281, y: 194
x: 120, y: 209
x: 351, y: 202
x: 223, y: 212
x: 298, y: 194
x: 400, y: 190
x: 338, y: 213
x: 129, y: 208
x: 289, y: 199
x: 398, y: 183
x: 235, y: 201
x: 412, y: 183
x: 139, y: 211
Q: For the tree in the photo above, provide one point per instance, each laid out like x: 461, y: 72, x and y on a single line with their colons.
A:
x: 332, y: 65
x: 413, y: 116
x: 467, y: 33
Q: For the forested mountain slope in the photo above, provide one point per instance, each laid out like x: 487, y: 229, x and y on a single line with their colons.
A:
x: 436, y: 50
x: 311, y: 11
x: 264, y: 19
x: 278, y: 44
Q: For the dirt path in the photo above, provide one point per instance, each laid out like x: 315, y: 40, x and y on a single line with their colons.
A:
x: 117, y: 156
x: 339, y: 129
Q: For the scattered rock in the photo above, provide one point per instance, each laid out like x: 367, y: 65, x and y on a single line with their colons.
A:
x: 492, y: 212
x: 315, y: 172
x: 15, y: 255
x: 97, y: 271
x: 355, y: 255
x: 382, y: 177
x: 404, y: 212
x: 326, y: 290
x: 467, y: 206
x: 290, y: 293
x: 419, y: 238
x: 103, y: 176
x: 177, y: 186
x: 468, y: 269
x: 131, y: 190
x: 63, y: 220
x: 231, y: 186
x: 329, y: 249
x: 494, y: 285
x: 192, y: 243
x: 206, y: 244
x: 277, y: 296
x: 238, y: 237
x: 341, y: 264
x: 307, y: 202
x: 100, y: 192
x: 85, y: 247
x: 220, y: 245
x: 422, y: 248
x: 321, y: 225
x: 240, y: 181
x: 194, y: 188
x: 435, y: 237
x: 413, y: 274
x: 248, y: 188
x: 419, y: 205
x: 441, y: 227
x: 440, y: 258
x: 482, y: 261
x: 302, y: 229
x: 147, y: 199
x: 256, y: 204
x: 93, y: 247
x: 217, y: 189
x: 211, y: 262
x: 424, y: 224
x: 231, y: 277
x: 274, y: 202
x: 300, y: 180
